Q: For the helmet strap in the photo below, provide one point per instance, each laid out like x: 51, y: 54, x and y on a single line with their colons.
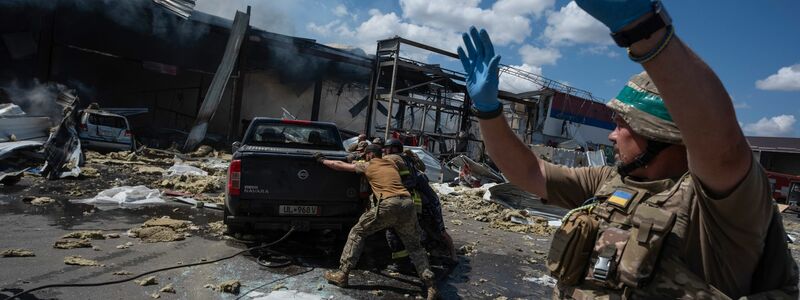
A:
x: 650, y: 153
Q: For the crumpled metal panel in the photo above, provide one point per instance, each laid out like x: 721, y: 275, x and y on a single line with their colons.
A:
x: 182, y: 8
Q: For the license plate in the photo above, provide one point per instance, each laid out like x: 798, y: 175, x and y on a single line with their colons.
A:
x: 304, y: 210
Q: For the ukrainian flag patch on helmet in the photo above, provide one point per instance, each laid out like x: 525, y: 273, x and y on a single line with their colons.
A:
x: 621, y: 198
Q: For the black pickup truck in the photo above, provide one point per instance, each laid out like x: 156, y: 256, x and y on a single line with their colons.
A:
x: 275, y: 183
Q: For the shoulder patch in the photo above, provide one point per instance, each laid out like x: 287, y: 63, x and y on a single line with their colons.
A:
x: 621, y: 198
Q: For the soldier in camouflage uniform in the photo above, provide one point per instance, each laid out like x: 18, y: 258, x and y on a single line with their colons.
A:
x: 686, y: 213
x: 394, y: 209
x: 434, y: 235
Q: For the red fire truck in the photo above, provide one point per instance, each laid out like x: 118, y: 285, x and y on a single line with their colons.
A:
x: 785, y: 188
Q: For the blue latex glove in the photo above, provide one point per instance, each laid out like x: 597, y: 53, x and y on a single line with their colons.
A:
x: 480, y: 64
x: 616, y: 14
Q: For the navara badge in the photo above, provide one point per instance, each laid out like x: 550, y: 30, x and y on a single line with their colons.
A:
x: 303, y: 174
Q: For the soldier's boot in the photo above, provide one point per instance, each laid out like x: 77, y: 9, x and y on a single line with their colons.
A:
x: 432, y: 293
x: 338, y: 277
x: 430, y: 282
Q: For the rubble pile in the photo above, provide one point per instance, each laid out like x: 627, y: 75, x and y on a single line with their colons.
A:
x: 77, y: 260
x: 17, y: 253
x: 162, y: 229
x: 72, y: 244
x: 217, y: 228
x: 193, y: 184
x: 38, y: 201
x: 470, y: 203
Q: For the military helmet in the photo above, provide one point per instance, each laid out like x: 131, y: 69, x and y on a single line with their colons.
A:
x: 374, y: 149
x: 394, y: 143
x: 640, y: 105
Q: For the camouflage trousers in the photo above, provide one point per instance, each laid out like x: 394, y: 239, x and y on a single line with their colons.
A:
x: 397, y: 213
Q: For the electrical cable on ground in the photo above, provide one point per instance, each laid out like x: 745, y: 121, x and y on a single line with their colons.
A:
x: 152, y: 271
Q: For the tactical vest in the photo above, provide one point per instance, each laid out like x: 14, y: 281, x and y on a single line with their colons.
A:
x: 613, y: 247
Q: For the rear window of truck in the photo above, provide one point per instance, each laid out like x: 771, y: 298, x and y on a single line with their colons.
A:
x: 294, y: 136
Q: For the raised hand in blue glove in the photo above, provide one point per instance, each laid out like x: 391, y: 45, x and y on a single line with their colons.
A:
x: 480, y: 64
x: 616, y: 14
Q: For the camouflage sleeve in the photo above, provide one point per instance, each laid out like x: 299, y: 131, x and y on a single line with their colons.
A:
x: 361, y: 166
x: 570, y: 187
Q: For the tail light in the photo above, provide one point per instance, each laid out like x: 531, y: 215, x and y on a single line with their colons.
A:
x: 127, y: 133
x: 83, y: 127
x: 234, y: 177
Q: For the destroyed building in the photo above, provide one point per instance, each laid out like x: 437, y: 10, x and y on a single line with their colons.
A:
x: 139, y: 55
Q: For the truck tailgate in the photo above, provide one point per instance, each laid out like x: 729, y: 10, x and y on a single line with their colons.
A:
x: 295, y: 178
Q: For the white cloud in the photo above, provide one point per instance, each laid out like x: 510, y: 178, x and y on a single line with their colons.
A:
x: 787, y: 79
x: 340, y: 11
x: 437, y: 23
x: 508, y: 21
x: 517, y: 84
x: 741, y: 105
x: 539, y: 56
x: 782, y: 125
x: 572, y: 25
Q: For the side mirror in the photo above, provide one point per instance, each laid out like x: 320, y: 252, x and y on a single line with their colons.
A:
x: 235, y: 146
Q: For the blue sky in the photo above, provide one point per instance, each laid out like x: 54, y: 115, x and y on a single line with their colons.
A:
x: 754, y: 46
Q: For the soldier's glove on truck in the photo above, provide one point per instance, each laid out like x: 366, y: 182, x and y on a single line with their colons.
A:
x: 319, y: 157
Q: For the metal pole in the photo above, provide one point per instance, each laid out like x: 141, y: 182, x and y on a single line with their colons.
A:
x: 424, y: 117
x: 391, y: 91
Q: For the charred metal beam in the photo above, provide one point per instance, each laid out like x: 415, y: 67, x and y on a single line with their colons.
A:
x: 217, y: 87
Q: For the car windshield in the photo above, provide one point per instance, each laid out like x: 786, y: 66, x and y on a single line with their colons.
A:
x: 295, y: 135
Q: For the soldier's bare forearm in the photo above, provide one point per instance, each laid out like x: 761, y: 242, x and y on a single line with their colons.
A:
x: 702, y: 109
x: 512, y: 156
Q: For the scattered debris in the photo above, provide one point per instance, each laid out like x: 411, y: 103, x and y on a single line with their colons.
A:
x: 72, y: 244
x: 230, y: 286
x: 77, y: 260
x: 150, y: 280
x: 179, y: 169
x: 124, y: 196
x: 472, y: 203
x: 89, y: 172
x: 167, y: 289
x: 283, y: 295
x: 125, y: 246
x: 149, y: 170
x: 155, y: 295
x: 467, y: 250
x: 86, y: 234
x: 162, y: 229
x: 123, y: 272
x: 41, y: 201
x: 217, y: 228
x: 17, y: 253
x: 545, y: 280
x: 193, y: 184
x: 112, y: 236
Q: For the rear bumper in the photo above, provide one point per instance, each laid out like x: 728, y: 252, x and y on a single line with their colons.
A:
x: 285, y: 223
x: 263, y: 215
x: 106, y: 145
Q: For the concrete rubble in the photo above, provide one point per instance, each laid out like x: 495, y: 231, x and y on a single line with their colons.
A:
x: 162, y: 229
x: 17, y: 253
x: 77, y: 260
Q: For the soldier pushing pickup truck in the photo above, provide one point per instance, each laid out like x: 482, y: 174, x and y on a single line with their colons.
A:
x: 394, y: 209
